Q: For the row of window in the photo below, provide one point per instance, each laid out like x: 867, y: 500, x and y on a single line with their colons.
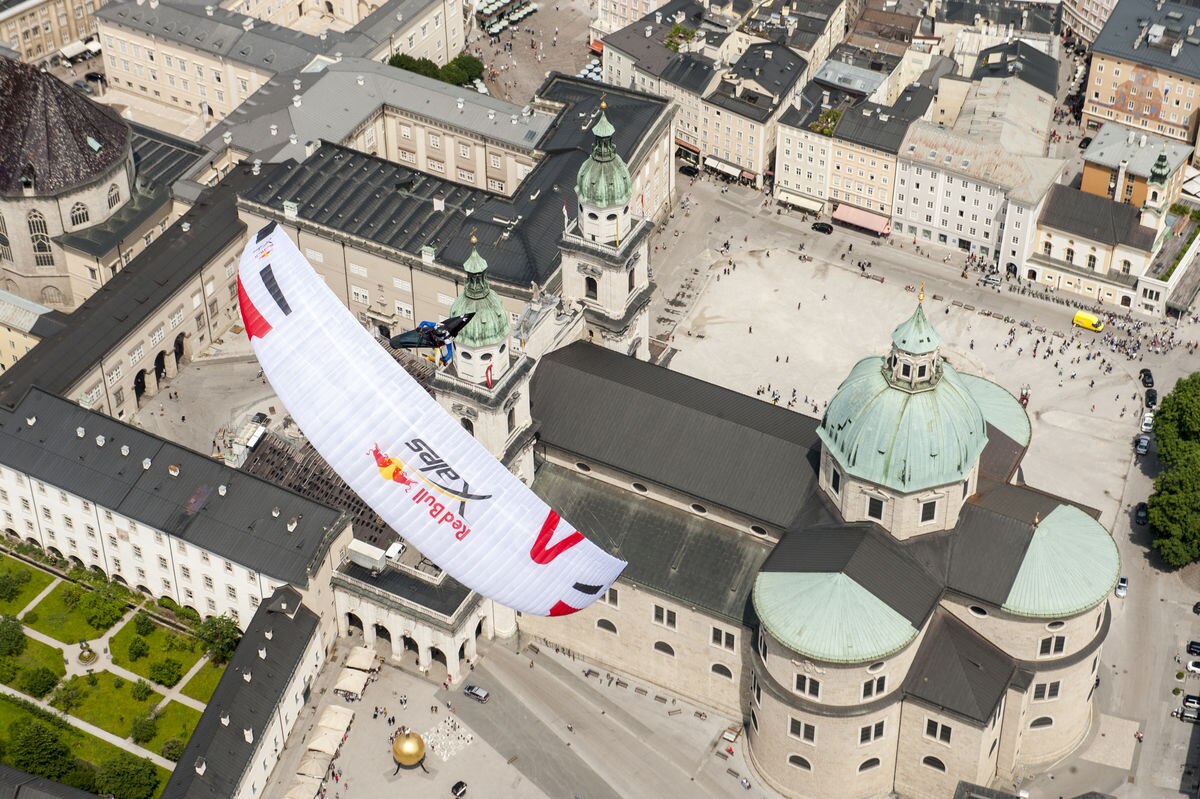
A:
x: 803, y: 764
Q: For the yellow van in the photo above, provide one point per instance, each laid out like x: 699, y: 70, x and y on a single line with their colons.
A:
x: 1088, y: 321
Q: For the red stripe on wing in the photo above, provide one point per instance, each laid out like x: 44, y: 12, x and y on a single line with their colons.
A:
x: 542, y: 554
x: 256, y: 324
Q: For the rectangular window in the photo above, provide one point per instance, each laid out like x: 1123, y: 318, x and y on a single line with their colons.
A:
x: 360, y: 295
x: 208, y: 582
x: 1044, y: 691
x: 231, y: 592
x: 610, y: 597
x: 937, y: 731
x: 874, y: 687
x: 1052, y: 645
x: 928, y: 511
x: 162, y: 562
x: 722, y: 638
x: 802, y: 730
x: 835, y: 481
x: 664, y: 616
x: 186, y: 572
x: 874, y: 508
x: 871, y: 732
x: 808, y: 686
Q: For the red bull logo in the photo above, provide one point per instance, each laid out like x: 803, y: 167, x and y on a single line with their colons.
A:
x: 390, y: 468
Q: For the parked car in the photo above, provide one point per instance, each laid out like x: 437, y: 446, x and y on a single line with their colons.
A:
x: 1193, y: 648
x: 1141, y: 444
x: 1192, y: 701
x: 458, y: 790
x: 822, y: 227
x: 1147, y: 378
x: 1085, y: 142
x: 1194, y: 666
x: 990, y: 280
x: 1141, y: 515
x: 1196, y: 608
x: 83, y: 86
x: 1148, y: 422
x: 95, y: 77
x: 1122, y: 587
x: 689, y: 170
x: 1151, y: 397
x: 476, y: 693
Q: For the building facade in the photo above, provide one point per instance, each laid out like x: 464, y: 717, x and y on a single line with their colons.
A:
x: 39, y: 29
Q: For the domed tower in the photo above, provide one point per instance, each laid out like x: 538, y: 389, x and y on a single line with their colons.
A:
x: 67, y: 165
x: 1156, y: 192
x: 606, y: 250
x: 485, y: 388
x: 902, y: 437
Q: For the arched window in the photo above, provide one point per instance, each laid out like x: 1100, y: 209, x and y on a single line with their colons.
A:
x: 632, y: 277
x: 1091, y: 261
x: 867, y: 765
x: 51, y: 296
x: 606, y: 625
x: 718, y: 668
x: 40, y: 236
x: 933, y: 763
x: 512, y: 419
x: 799, y: 762
x: 468, y: 425
x: 1041, y: 721
x: 1070, y: 255
x: 1047, y: 248
x: 611, y: 217
x: 114, y: 196
x: 589, y: 288
x: 5, y: 249
x: 1125, y: 266
x: 664, y: 647
x: 79, y: 214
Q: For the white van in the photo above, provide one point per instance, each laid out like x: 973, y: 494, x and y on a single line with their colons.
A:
x: 395, y: 551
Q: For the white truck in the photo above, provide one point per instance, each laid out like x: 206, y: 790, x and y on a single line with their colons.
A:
x: 368, y: 556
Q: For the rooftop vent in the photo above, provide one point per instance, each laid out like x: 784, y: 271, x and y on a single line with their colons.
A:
x: 459, y: 103
x: 296, y: 100
x: 186, y: 226
x: 246, y: 675
x: 275, y: 512
x: 248, y: 24
x: 125, y: 450
x: 360, y: 80
x: 99, y: 441
x: 208, y: 10
x: 292, y: 522
x: 79, y: 431
x: 221, y: 489
x: 201, y: 766
x: 224, y: 719
x: 31, y: 420
x: 249, y: 735
x: 173, y: 470
x: 262, y: 653
x: 227, y: 137
x: 274, y: 130
x: 268, y: 633
x: 145, y: 464
x: 491, y: 113
x: 292, y: 139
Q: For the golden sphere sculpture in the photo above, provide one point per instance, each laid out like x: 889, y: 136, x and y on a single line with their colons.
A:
x: 408, y: 749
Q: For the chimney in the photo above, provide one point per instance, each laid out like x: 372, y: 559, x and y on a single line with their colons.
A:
x: 491, y: 113
x: 513, y: 119
x: 201, y: 766
x: 439, y: 202
x: 1142, y: 140
x: 257, y: 167
x: 360, y: 80
x: 767, y: 54
x: 658, y: 17
x: 208, y: 10
x: 292, y: 138
x: 825, y: 99
x: 649, y: 30
x: 337, y: 56
x: 249, y: 735
x: 186, y: 226
x: 459, y: 103
x: 296, y: 85
x: 262, y: 653
x: 248, y: 24
x: 221, y: 489
x: 1130, y: 137
x: 145, y: 464
x: 31, y: 420
x: 1175, y: 48
x: 296, y: 100
x: 125, y: 450
x: 275, y: 512
x: 274, y: 130
x: 80, y: 432
x: 154, y: 3
x: 173, y: 470
x: 227, y: 137
x: 292, y: 524
x: 99, y: 441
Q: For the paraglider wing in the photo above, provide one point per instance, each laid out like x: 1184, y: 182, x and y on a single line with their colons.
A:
x: 407, y: 458
x: 431, y: 334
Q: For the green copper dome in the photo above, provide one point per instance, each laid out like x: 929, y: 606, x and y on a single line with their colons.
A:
x: 907, y: 441
x: 490, y: 325
x: 1070, y: 566
x: 603, y: 180
x: 916, y: 334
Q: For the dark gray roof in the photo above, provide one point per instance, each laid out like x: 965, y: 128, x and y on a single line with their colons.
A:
x: 773, y: 67
x: 390, y: 204
x: 1165, y: 23
x: 967, y: 790
x: 808, y: 105
x: 16, y: 784
x: 1091, y: 216
x: 99, y: 240
x: 688, y: 435
x: 162, y: 158
x: 672, y: 552
x: 650, y: 53
x: 1041, y: 18
x: 884, y: 127
x: 53, y: 133
x: 957, y: 670
x: 867, y: 555
x: 690, y: 71
x: 136, y: 292
x: 988, y: 549
x: 239, y: 526
x: 445, y: 597
x: 283, y: 627
x: 1001, y: 455
x: 1019, y: 60
x: 874, y: 60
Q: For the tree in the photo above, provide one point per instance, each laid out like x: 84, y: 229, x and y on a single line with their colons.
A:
x: 37, y: 748
x: 141, y: 690
x: 145, y: 727
x: 12, y: 637
x: 126, y: 776
x: 1175, y: 510
x: 471, y: 66
x: 69, y: 695
x: 220, y: 636
x: 166, y: 672
x: 172, y: 749
x: 1177, y: 421
x: 38, y: 682
x: 9, y: 587
x: 103, y: 607
x: 143, y: 624
x: 138, y: 648
x: 71, y: 595
x: 450, y: 74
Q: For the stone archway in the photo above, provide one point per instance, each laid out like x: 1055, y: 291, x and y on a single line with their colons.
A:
x: 139, y: 386
x: 163, y: 367
x: 120, y: 580
x: 11, y: 533
x: 55, y: 552
x: 143, y: 590
x: 75, y: 561
x: 383, y: 638
x: 96, y: 568
x: 34, y: 542
x: 353, y: 622
x: 181, y: 353
x: 439, y: 667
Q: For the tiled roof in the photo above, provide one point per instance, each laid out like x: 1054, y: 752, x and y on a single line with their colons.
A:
x: 1070, y: 565
x: 52, y: 133
x: 1148, y: 32
x: 957, y: 670
x: 1090, y: 216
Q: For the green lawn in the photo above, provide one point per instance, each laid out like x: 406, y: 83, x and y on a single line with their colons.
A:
x: 86, y: 747
x: 204, y: 682
x: 108, y: 707
x: 163, y: 644
x: 59, y: 622
x: 38, y: 580
x: 176, y: 720
x: 36, y: 654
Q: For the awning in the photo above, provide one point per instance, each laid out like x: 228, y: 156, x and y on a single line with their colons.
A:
x: 866, y: 220
x: 93, y: 46
x: 314, y: 764
x: 721, y: 166
x: 597, y: 47
x: 351, y: 681
x: 362, y: 658
x: 337, y: 719
x: 326, y: 741
x: 748, y: 175
x: 303, y: 788
x: 73, y: 50
x: 686, y: 145
x: 799, y: 200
